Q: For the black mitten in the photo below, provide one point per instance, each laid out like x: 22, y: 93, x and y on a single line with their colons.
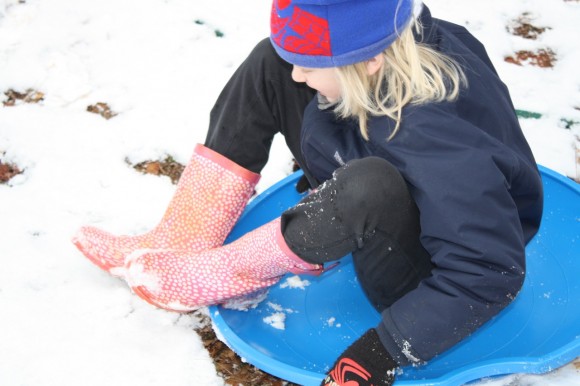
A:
x: 303, y: 185
x: 366, y: 362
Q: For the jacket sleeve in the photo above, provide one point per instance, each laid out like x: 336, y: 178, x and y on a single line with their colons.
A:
x: 259, y: 100
x: 471, y: 228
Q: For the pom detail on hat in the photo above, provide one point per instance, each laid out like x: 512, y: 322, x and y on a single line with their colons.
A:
x: 331, y: 33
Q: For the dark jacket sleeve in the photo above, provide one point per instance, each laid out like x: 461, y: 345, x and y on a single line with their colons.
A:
x: 259, y: 100
x: 462, y: 181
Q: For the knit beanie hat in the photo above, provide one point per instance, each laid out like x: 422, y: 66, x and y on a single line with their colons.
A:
x: 332, y: 33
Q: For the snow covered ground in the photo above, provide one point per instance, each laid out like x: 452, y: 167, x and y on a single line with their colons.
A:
x: 160, y: 64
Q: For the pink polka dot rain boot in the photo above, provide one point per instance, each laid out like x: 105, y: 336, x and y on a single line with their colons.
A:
x: 210, y: 196
x: 182, y: 281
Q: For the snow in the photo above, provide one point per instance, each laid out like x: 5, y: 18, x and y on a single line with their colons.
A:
x: 245, y: 303
x: 65, y: 322
x: 275, y: 307
x: 295, y: 282
x: 331, y: 322
x: 276, y: 320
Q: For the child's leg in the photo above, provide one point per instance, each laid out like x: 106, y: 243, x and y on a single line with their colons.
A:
x: 260, y: 100
x: 365, y: 209
x: 183, y: 281
x: 210, y: 196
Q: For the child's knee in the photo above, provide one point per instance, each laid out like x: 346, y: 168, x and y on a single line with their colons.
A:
x: 372, y: 180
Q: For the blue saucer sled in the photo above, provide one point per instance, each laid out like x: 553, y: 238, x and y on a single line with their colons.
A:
x: 538, y: 332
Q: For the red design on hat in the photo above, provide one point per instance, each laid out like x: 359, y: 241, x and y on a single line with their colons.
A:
x: 301, y: 32
x: 283, y: 3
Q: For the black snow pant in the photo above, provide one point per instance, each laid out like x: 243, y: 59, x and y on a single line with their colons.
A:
x: 365, y: 209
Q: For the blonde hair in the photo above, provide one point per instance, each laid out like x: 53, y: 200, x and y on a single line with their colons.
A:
x: 411, y: 73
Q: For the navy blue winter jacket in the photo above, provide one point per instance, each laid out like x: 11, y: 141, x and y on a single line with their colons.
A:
x: 475, y: 182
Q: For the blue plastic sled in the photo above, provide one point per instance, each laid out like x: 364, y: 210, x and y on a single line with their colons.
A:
x: 538, y: 332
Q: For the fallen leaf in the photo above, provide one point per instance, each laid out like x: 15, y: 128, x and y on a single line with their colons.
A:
x: 523, y: 27
x: 102, y: 109
x: 29, y: 96
x: 167, y: 167
x: 7, y: 171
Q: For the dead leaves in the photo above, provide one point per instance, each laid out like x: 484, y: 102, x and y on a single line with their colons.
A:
x: 15, y: 97
x: 102, y: 109
x: 7, y: 171
x: 544, y: 58
x: 523, y: 27
x: 167, y: 167
x: 32, y: 96
x: 228, y: 364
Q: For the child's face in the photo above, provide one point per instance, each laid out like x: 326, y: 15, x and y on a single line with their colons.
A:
x: 323, y: 80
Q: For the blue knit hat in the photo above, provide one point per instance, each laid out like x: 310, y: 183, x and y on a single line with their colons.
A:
x: 332, y: 33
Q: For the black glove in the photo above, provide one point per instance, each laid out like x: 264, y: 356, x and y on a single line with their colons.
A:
x: 364, y: 363
x: 303, y: 185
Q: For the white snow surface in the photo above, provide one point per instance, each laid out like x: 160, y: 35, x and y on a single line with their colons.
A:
x: 64, y: 321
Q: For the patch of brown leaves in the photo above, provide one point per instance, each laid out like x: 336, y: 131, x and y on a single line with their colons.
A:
x: 29, y: 96
x: 522, y: 26
x: 7, y: 171
x: 167, y: 167
x: 228, y: 364
x: 542, y: 58
x: 102, y: 109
